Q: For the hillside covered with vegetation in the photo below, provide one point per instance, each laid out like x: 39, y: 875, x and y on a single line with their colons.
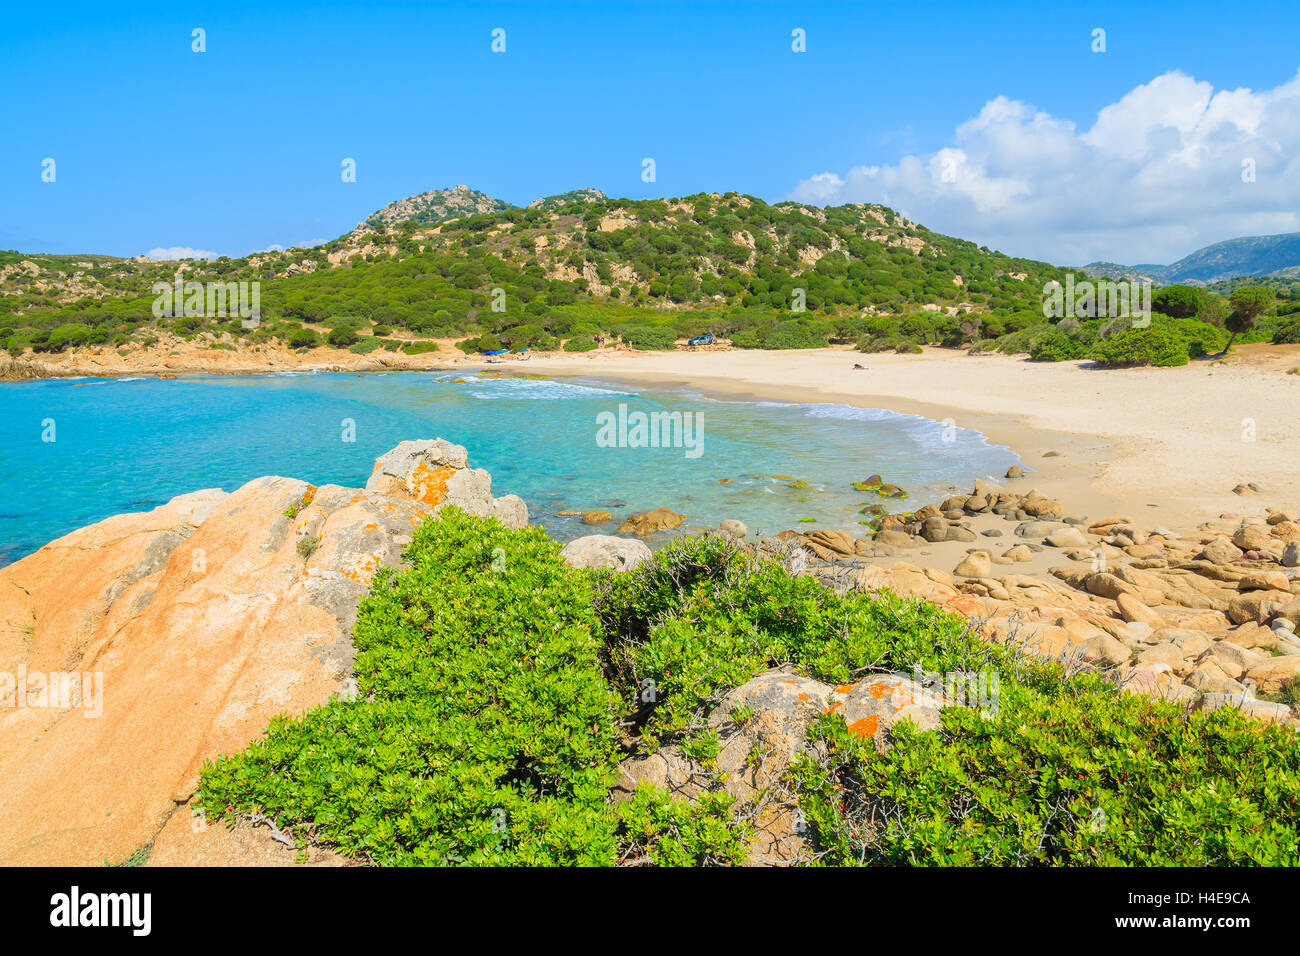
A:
x: 457, y: 264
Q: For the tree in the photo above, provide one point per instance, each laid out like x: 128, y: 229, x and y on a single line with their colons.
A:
x: 1179, y: 301
x: 343, y: 336
x: 1248, y: 304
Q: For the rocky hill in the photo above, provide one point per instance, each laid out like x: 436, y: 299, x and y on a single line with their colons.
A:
x: 430, y: 264
x: 435, y: 206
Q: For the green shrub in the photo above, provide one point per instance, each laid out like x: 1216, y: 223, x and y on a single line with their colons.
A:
x: 1156, y: 345
x: 493, y: 677
x: 796, y: 335
x: 342, y: 336
x: 483, y: 730
x: 1287, y: 334
x: 303, y: 339
x: 1072, y: 772
x: 1057, y: 346
x: 660, y: 338
x: 580, y: 344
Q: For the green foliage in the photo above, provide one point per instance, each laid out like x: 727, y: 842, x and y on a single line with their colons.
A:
x: 1248, y: 304
x: 1156, y: 345
x: 303, y: 339
x: 1056, y: 346
x: 342, y: 337
x: 1288, y: 334
x: 1064, y: 772
x: 673, y: 832
x: 650, y: 337
x: 700, y: 617
x: 483, y: 731
x: 1179, y: 301
x: 419, y: 348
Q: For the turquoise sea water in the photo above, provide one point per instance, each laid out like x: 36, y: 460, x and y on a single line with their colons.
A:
x: 130, y: 444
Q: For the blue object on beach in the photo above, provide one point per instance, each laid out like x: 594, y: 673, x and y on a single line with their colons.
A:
x: 496, y: 352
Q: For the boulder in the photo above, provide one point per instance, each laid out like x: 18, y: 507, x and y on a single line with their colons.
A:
x: 1220, y: 551
x: 837, y: 542
x: 1252, y: 606
x: 734, y: 529
x: 605, y: 551
x: 1271, y: 673
x: 203, y: 618
x: 1067, y: 537
x: 1291, y: 555
x: 436, y: 473
x: 1263, y: 709
x: 645, y: 523
x: 1131, y: 609
x: 780, y: 706
x: 1250, y: 538
x: 977, y: 564
x: 596, y: 516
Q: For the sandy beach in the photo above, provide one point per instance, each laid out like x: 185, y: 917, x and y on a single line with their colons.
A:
x: 1164, y: 445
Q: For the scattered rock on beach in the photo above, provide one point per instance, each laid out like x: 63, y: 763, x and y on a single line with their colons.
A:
x: 977, y: 564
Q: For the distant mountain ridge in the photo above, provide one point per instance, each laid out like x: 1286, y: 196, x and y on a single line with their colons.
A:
x: 1230, y: 259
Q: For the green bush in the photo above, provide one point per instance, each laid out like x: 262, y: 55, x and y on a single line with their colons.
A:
x: 419, y: 348
x: 796, y: 335
x: 1057, y: 346
x: 342, y: 336
x: 657, y: 338
x: 303, y: 339
x: 483, y: 730
x: 1067, y: 772
x: 1287, y: 334
x: 1156, y: 345
x: 580, y: 344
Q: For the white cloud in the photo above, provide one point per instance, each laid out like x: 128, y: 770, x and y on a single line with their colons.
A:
x: 1158, y: 175
x: 180, y: 252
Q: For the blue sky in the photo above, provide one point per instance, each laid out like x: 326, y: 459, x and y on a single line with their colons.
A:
x: 239, y: 148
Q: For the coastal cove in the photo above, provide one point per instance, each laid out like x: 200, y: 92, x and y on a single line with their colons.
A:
x: 131, y: 443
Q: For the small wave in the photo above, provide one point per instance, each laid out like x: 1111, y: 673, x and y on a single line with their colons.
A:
x: 540, y: 389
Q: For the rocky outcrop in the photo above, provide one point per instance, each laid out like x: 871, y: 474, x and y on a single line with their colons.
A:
x: 435, y: 472
x: 141, y: 646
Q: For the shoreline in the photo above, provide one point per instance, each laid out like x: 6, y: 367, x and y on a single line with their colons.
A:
x: 1169, y: 443
x: 1166, y: 446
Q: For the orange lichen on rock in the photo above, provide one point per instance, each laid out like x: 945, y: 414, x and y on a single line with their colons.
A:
x: 866, y: 727
x: 428, y: 484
